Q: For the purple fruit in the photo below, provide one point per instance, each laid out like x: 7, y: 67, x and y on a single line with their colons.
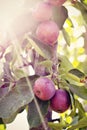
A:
x: 44, y: 88
x: 47, y: 32
x: 61, y: 101
x: 56, y: 2
x: 42, y: 11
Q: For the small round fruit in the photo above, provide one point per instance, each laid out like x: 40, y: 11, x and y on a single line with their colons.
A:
x: 43, y: 11
x: 61, y: 101
x: 56, y: 2
x: 44, y: 88
x: 47, y: 32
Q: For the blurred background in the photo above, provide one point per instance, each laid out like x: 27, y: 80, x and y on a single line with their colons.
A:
x: 20, y: 123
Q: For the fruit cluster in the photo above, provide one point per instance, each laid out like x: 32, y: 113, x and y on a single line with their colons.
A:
x: 47, y: 32
x: 44, y: 89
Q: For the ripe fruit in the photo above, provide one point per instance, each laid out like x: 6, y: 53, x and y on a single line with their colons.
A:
x: 44, y: 88
x: 60, y: 101
x: 56, y: 2
x: 42, y: 12
x: 47, y: 32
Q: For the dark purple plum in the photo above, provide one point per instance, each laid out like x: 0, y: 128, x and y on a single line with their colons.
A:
x: 61, y: 101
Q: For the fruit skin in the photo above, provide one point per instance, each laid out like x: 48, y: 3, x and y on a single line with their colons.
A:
x: 44, y: 88
x: 56, y: 2
x: 42, y: 12
x: 47, y: 32
x: 61, y: 101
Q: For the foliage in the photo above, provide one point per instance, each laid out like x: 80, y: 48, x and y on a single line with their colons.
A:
x: 22, y: 53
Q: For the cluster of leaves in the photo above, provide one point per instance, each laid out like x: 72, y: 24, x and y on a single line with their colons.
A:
x: 19, y: 57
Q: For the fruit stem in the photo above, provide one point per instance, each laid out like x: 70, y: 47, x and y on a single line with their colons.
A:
x: 55, y: 63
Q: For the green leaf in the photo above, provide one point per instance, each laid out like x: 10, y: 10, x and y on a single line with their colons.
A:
x: 13, y: 116
x: 18, y: 96
x: 84, y: 4
x: 68, y: 22
x: 73, y: 79
x: 83, y: 10
x: 80, y: 124
x: 2, y: 125
x: 46, y: 63
x: 77, y: 72
x: 84, y: 128
x: 75, y: 120
x: 84, y: 1
x: 65, y: 64
x: 60, y: 19
x: 10, y: 119
x: 36, y: 112
x: 16, y: 52
x: 41, y: 48
x: 57, y: 126
x: 19, y: 73
x: 81, y: 111
x: 81, y: 91
x: 66, y: 36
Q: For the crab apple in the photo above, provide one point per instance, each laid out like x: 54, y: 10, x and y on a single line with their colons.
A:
x: 56, y: 2
x: 61, y: 101
x: 44, y: 88
x: 47, y: 32
x: 42, y: 12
